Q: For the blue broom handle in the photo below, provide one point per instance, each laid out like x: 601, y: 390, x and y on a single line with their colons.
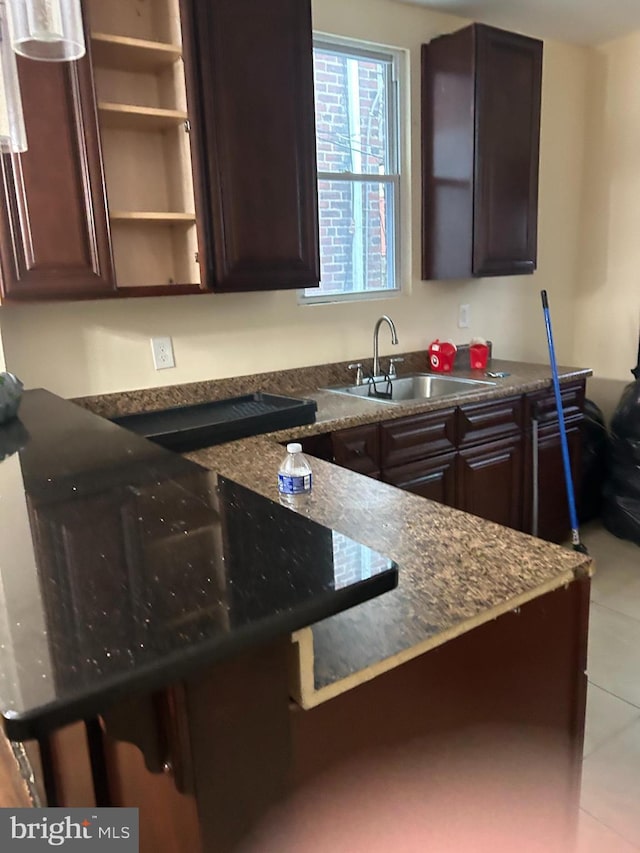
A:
x: 573, y: 515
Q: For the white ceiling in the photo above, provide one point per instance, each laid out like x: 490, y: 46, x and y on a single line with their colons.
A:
x: 581, y: 21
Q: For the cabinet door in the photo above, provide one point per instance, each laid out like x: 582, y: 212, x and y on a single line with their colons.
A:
x: 250, y: 82
x: 480, y: 142
x: 433, y: 478
x: 448, y: 84
x: 489, y: 481
x: 508, y: 87
x: 54, y: 234
x: 358, y: 448
x: 553, y: 511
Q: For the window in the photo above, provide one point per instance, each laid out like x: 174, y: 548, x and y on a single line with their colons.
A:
x: 358, y: 171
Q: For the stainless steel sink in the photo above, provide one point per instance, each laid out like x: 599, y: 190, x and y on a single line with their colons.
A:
x: 418, y: 386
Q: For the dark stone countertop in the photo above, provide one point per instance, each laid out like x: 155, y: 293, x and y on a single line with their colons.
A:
x: 457, y: 570
x: 335, y: 411
x: 125, y: 567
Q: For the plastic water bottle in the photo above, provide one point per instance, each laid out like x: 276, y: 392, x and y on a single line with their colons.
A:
x: 295, y: 477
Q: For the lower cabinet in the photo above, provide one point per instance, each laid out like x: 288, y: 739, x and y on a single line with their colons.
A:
x: 477, y: 458
x: 358, y: 449
x: 489, y: 480
x: 553, y: 512
x: 433, y: 478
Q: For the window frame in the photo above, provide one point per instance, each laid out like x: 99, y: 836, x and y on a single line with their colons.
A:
x: 395, y: 85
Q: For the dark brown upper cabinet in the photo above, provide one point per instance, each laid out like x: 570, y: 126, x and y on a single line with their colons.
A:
x: 54, y: 234
x: 481, y: 90
x: 178, y: 156
x: 250, y: 92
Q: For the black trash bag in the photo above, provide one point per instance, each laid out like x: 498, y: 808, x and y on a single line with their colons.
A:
x: 621, y: 493
x: 595, y: 450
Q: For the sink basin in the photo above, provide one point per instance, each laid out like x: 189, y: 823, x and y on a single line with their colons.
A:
x: 419, y: 386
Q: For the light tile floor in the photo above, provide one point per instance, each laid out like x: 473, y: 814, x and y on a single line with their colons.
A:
x: 610, y: 816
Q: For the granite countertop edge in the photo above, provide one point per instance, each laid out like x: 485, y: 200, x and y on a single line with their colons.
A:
x: 318, y: 684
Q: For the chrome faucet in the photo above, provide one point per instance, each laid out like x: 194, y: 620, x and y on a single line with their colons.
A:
x: 394, y: 341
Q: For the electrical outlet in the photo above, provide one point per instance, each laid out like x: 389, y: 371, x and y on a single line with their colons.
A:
x: 464, y: 316
x: 162, y: 350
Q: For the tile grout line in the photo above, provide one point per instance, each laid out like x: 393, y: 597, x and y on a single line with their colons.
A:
x: 612, y: 556
x: 610, y: 828
x: 615, y: 695
x: 620, y: 731
x: 613, y: 610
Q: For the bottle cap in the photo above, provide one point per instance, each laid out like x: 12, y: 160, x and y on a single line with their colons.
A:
x: 294, y: 448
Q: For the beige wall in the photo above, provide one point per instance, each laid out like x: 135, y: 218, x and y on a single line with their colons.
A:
x: 88, y: 348
x: 607, y: 309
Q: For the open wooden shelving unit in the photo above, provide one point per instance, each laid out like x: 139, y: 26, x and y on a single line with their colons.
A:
x: 142, y: 109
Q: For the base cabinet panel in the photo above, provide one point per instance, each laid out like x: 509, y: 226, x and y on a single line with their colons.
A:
x: 553, y: 508
x: 490, y: 481
x: 433, y: 478
x: 475, y: 457
x: 463, y: 698
x: 358, y: 448
x: 481, y: 698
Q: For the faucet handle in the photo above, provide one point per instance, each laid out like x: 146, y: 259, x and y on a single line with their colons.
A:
x: 357, y: 366
x: 392, y: 366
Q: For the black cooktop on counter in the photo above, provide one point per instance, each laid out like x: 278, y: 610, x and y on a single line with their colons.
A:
x: 185, y: 428
x: 125, y: 567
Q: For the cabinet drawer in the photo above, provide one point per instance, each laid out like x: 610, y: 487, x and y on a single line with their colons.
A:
x: 358, y: 448
x: 417, y: 437
x: 489, y: 421
x: 544, y: 402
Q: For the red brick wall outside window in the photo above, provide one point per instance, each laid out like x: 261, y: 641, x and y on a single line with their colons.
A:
x: 356, y: 127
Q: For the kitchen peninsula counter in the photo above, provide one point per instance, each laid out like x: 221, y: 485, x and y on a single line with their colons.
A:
x: 457, y: 571
x: 125, y: 567
x: 486, y: 624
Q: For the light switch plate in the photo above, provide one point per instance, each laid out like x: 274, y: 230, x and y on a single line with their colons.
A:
x: 162, y: 350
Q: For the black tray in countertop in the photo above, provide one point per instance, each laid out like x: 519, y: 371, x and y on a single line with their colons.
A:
x: 186, y: 428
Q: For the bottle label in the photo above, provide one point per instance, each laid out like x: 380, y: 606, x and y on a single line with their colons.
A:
x: 294, y: 485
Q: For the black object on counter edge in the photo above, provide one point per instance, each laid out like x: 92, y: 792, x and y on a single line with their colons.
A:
x: 192, y: 427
